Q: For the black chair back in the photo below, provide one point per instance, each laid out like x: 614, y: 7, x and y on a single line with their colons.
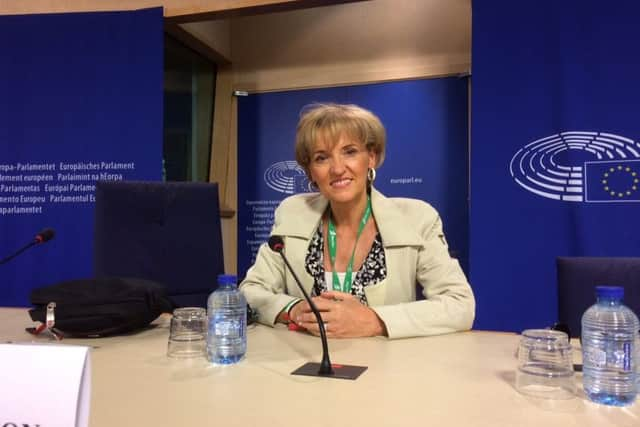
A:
x: 578, y: 278
x: 168, y: 232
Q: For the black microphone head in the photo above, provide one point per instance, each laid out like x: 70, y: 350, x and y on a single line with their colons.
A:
x: 276, y: 243
x: 45, y: 235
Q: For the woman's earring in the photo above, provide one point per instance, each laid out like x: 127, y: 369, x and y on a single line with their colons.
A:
x: 313, y: 187
x: 371, y: 175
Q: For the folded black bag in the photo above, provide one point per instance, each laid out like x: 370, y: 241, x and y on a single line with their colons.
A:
x: 101, y: 307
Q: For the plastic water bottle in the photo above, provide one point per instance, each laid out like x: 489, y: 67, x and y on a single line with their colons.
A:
x: 609, y: 349
x: 227, y: 315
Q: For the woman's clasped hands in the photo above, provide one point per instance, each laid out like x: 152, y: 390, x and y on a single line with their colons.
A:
x: 343, y: 316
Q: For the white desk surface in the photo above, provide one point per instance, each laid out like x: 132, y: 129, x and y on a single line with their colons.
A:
x: 463, y: 379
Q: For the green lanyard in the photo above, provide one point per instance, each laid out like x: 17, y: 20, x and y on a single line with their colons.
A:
x: 346, y: 287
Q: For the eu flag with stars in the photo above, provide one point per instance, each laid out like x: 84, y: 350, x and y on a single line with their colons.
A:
x: 612, y: 181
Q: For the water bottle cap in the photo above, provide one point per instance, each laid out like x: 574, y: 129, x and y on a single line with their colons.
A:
x: 616, y: 292
x: 227, y: 279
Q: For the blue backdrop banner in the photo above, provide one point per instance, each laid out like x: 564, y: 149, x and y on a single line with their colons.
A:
x: 427, y: 152
x: 555, y: 162
x: 81, y: 102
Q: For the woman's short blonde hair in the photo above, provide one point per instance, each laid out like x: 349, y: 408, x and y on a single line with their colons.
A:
x: 328, y: 122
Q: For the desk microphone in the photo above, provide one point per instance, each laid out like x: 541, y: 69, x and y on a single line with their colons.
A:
x: 324, y: 368
x: 42, y: 237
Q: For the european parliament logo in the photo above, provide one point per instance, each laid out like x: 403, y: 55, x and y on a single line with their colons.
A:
x: 287, y: 177
x: 589, y: 167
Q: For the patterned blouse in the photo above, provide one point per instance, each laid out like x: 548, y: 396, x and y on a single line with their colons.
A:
x: 372, y: 271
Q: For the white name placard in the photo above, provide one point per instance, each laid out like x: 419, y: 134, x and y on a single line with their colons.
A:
x: 44, y: 385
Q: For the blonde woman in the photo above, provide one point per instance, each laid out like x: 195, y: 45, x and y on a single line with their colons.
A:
x: 358, y: 253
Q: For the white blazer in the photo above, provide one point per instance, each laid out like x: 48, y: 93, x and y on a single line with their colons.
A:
x: 416, y: 252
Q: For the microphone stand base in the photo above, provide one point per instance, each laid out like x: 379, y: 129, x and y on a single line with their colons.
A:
x: 342, y: 372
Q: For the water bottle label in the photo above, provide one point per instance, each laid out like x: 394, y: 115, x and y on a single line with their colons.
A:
x: 626, y: 356
x: 228, y: 328
x: 596, y: 357
x: 619, y: 356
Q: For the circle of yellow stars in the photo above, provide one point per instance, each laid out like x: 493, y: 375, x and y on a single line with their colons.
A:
x: 635, y: 181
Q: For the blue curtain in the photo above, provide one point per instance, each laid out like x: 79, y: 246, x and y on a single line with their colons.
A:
x: 555, y: 159
x: 81, y: 102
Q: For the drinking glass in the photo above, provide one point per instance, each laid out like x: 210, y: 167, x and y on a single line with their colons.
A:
x: 188, y: 333
x: 545, y: 365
